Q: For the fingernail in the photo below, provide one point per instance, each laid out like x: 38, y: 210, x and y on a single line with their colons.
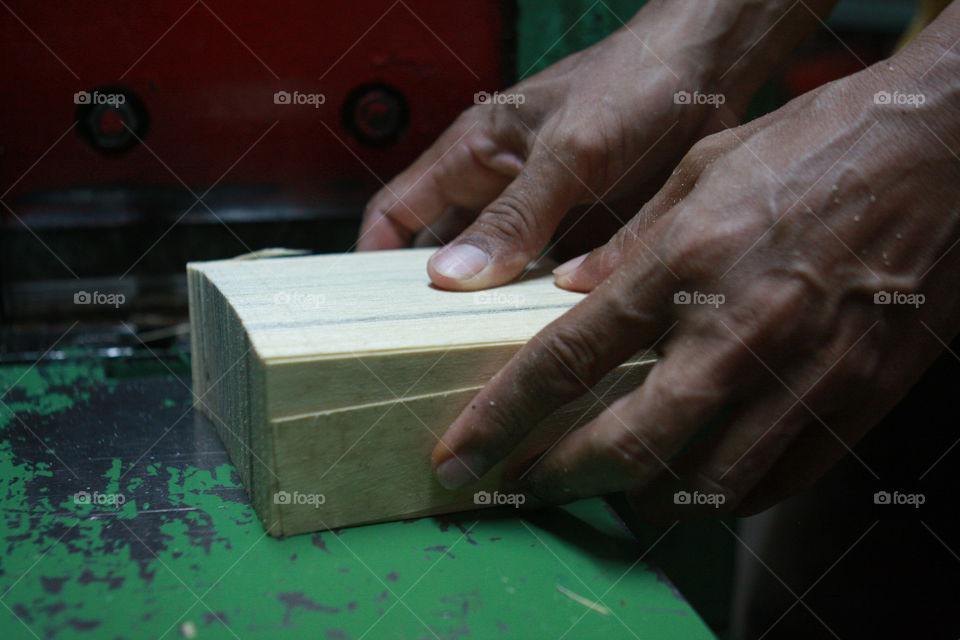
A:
x: 459, y: 470
x: 569, y: 266
x: 460, y: 262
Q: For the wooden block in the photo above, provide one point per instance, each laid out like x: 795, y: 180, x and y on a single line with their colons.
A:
x: 335, y: 375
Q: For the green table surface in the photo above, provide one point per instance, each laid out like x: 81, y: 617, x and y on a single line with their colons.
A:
x: 184, y: 555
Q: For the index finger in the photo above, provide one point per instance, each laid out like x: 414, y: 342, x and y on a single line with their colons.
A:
x: 564, y: 360
x: 464, y: 168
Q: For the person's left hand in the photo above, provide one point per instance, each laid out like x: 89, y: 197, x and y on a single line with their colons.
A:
x: 813, y: 246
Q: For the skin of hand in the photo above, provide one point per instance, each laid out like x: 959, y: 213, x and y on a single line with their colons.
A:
x: 600, y: 125
x: 816, y: 249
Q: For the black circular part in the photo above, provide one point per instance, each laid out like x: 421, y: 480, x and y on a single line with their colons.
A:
x: 111, y: 119
x: 376, y: 114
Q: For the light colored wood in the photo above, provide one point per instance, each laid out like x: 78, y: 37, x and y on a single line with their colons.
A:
x: 337, y: 374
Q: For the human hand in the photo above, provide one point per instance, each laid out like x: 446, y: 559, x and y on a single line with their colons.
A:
x: 598, y: 126
x: 815, y: 246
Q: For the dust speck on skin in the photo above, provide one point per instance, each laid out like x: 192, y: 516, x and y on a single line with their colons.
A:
x: 873, y: 198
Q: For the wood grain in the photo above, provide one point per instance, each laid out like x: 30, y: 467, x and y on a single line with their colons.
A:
x: 335, y: 375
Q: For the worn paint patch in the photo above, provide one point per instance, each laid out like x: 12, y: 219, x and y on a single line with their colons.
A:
x: 182, y: 549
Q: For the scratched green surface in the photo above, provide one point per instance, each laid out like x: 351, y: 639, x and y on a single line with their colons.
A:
x: 185, y: 554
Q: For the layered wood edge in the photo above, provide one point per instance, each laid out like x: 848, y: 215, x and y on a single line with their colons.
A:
x: 313, y: 459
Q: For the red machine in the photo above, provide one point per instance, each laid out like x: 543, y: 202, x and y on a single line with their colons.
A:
x: 120, y: 115
x: 392, y: 75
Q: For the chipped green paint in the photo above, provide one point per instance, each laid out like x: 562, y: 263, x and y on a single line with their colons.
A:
x: 183, y: 550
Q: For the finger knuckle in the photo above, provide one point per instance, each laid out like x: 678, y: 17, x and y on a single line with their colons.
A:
x: 628, y: 451
x: 585, y: 142
x: 471, y: 115
x: 510, y: 220
x: 702, y: 245
x: 773, y: 315
x: 582, y: 152
x: 701, y: 383
x: 569, y: 365
x: 703, y: 152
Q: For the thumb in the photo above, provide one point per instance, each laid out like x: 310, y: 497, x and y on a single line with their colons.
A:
x: 585, y: 272
x: 512, y: 230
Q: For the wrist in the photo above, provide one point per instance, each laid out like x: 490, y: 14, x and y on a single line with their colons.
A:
x: 925, y: 75
x: 727, y: 47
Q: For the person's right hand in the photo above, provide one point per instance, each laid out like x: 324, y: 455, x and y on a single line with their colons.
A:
x: 600, y: 124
